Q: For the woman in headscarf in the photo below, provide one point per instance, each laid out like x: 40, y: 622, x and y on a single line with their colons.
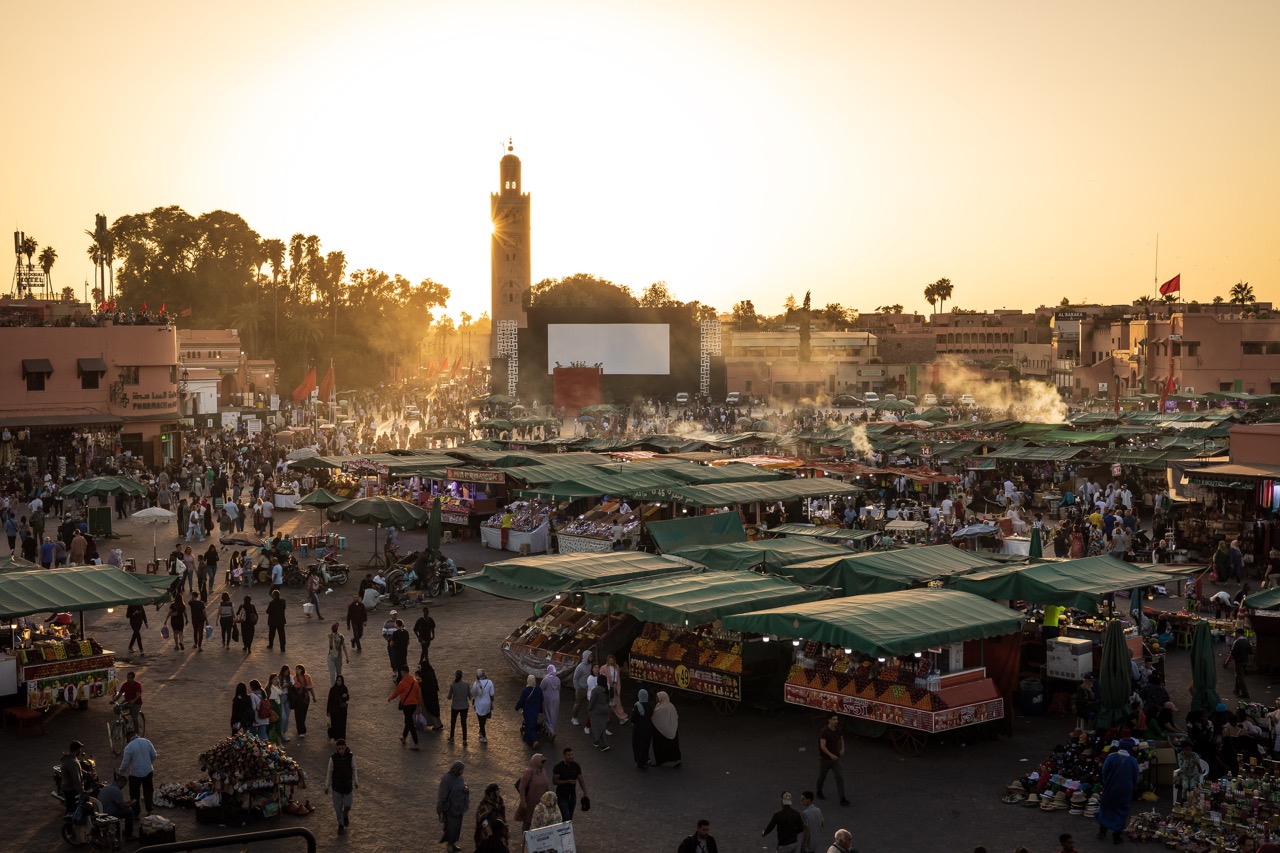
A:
x: 491, y: 808
x: 547, y: 811
x: 666, y: 731
x: 530, y: 702
x: 550, y: 699
x: 611, y: 671
x: 275, y: 694
x: 241, y: 710
x: 642, y: 729
x: 430, y: 697
x: 336, y: 708
x: 598, y: 713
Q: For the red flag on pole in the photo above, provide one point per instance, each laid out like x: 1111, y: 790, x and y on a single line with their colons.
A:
x: 144, y: 305
x: 161, y: 307
x: 185, y: 313
x: 327, y: 384
x: 454, y: 371
x: 1169, y: 389
x: 308, y: 385
x: 1173, y: 285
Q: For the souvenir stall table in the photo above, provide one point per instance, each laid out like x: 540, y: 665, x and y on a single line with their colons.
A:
x: 897, y: 661
x: 683, y: 644
x: 249, y: 779
x: 1219, y: 813
x: 1070, y: 778
x: 285, y: 499
x: 523, y: 527
x: 51, y: 663
x: 470, y: 495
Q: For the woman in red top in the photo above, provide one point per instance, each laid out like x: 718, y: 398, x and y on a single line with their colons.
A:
x: 409, y: 692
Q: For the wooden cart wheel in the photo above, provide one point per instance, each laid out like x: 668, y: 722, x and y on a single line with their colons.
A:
x: 724, y: 706
x: 908, y: 742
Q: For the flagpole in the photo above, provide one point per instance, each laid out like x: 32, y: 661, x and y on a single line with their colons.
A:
x: 1155, y: 276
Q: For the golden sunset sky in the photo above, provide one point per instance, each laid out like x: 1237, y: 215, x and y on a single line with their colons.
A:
x: 1027, y: 150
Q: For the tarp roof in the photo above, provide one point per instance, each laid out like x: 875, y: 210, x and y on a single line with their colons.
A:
x: 76, y: 588
x: 891, y: 623
x: 885, y: 571
x: 773, y: 553
x: 822, y: 532
x: 537, y: 577
x: 730, y: 494
x: 1074, y: 583
x: 718, y: 528
x: 698, y: 599
x: 1267, y: 599
x: 1037, y: 454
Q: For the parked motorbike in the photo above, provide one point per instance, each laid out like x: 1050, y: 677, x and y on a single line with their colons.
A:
x: 88, y: 776
x: 102, y: 831
x: 444, y: 576
x: 333, y: 574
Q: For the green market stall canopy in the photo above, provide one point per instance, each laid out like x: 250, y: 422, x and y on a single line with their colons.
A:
x: 537, y: 577
x: 1073, y: 583
x: 77, y: 588
x: 772, y: 553
x: 890, y: 623
x: 698, y: 598
x: 718, y: 528
x: 886, y: 571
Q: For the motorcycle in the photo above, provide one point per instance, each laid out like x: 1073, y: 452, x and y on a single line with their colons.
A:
x: 333, y: 574
x: 444, y: 576
x: 88, y: 776
x: 93, y: 827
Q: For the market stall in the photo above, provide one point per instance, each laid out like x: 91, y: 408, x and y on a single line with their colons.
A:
x: 914, y: 660
x: 523, y: 527
x: 539, y: 577
x: 853, y: 538
x: 559, y: 635
x: 470, y: 495
x: 597, y: 529
x: 682, y: 644
x: 768, y: 553
x: 51, y: 662
x: 248, y: 779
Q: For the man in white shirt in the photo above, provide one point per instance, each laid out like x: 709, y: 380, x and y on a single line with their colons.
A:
x: 947, y: 506
x: 268, y: 516
x: 36, y: 505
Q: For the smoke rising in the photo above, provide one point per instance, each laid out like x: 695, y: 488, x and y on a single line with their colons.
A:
x: 1028, y: 400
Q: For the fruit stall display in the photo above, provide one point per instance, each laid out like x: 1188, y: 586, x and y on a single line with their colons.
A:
x: 65, y: 671
x: 709, y: 662
x: 559, y: 636
x: 905, y: 692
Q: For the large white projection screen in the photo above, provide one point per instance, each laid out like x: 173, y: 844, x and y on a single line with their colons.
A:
x: 621, y: 348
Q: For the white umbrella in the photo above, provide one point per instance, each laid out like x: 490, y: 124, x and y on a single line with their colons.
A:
x: 153, y: 514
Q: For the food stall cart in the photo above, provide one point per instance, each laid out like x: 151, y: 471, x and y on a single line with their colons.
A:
x: 593, y: 531
x: 907, y: 662
x: 682, y: 644
x: 51, y: 662
x: 560, y: 632
x: 470, y: 495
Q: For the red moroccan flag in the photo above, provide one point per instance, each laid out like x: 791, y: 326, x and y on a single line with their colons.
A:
x: 454, y: 371
x: 161, y: 307
x: 1169, y: 389
x: 303, y: 391
x: 327, y: 384
x: 185, y: 313
x: 1173, y: 285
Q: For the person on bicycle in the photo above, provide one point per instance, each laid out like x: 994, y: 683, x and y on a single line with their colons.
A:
x: 131, y: 693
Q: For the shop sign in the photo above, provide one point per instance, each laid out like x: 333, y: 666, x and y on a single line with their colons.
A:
x: 472, y: 475
x: 556, y: 838
x: 461, y: 518
x: 696, y: 679
x: 894, y: 715
x: 1067, y: 316
x: 76, y: 687
x: 871, y: 372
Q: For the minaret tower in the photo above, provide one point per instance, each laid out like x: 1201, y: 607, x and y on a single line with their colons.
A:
x: 509, y: 257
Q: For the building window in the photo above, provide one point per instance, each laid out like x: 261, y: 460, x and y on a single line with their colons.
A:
x: 1251, y: 348
x: 35, y: 381
x: 129, y: 375
x: 89, y: 381
x: 1226, y: 386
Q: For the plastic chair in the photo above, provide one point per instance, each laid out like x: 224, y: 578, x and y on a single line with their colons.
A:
x: 1182, y: 638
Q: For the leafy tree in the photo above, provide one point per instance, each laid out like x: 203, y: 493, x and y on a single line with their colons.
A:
x: 835, y: 314
x: 658, y: 295
x: 745, y: 318
x: 931, y: 295
x: 1241, y: 293
x: 1144, y: 303
x: 1065, y: 303
x: 274, y: 251
x: 247, y: 318
x: 789, y: 305
x: 68, y: 294
x: 581, y: 290
x: 1218, y: 300
x: 104, y: 241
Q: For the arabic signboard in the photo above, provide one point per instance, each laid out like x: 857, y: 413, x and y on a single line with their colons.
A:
x: 473, y: 475
x: 697, y: 679
x: 1067, y: 316
x: 894, y: 715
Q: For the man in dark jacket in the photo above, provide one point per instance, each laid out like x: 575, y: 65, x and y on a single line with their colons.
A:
x: 275, y: 619
x: 701, y: 840
x: 341, y: 777
x: 398, y: 647
x: 137, y: 616
x: 789, y: 824
x: 357, y: 615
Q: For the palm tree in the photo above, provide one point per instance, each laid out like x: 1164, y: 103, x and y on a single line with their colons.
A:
x: 248, y: 320
x: 1145, y: 303
x: 306, y: 332
x: 943, y: 288
x: 99, y: 286
x: 1242, y: 293
x: 931, y: 295
x: 47, y: 256
x: 104, y: 241
x: 29, y: 245
x: 274, y: 250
